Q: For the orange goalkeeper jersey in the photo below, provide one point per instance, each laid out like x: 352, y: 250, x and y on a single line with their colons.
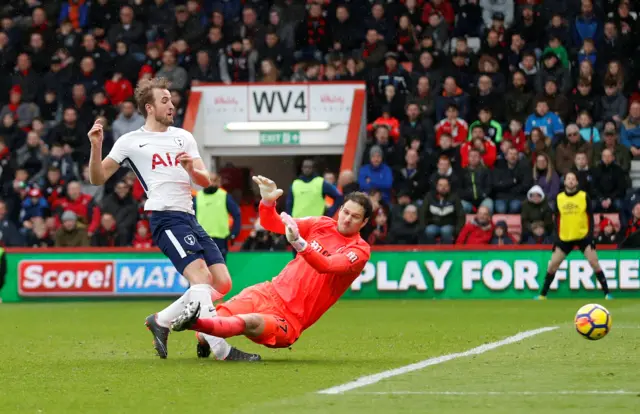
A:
x: 311, y: 283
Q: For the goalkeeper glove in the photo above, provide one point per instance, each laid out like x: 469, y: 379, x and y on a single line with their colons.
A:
x: 269, y: 191
x: 292, y: 232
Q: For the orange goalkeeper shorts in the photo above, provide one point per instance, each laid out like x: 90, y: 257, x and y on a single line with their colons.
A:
x: 282, y: 329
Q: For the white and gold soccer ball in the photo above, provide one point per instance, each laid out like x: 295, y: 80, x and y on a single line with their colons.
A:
x: 593, y: 321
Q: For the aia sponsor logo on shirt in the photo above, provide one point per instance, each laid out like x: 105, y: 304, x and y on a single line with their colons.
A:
x: 158, y: 160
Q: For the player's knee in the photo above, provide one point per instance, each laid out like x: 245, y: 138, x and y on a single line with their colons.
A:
x: 197, y: 273
x: 220, y: 278
x: 254, y: 324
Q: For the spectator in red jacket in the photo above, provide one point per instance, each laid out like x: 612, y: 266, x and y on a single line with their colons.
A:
x: 142, y: 239
x: 440, y: 6
x: 487, y: 148
x: 118, y: 88
x: 391, y: 123
x: 81, y: 204
x: 454, y: 126
x: 515, y: 134
x: 477, y: 231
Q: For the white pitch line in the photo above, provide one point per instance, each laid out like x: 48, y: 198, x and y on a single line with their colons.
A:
x: 465, y: 393
x: 372, y: 379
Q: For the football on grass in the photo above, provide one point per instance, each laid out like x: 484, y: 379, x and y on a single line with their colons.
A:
x: 593, y: 321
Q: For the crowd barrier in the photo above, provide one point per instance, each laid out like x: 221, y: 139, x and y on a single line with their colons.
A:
x: 434, y: 272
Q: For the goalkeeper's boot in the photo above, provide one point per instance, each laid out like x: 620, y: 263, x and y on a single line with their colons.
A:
x: 160, y: 335
x: 237, y: 355
x: 203, y: 349
x: 187, y: 317
x: 540, y: 297
x: 608, y: 296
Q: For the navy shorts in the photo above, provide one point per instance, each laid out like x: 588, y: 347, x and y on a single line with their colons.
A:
x: 182, y: 239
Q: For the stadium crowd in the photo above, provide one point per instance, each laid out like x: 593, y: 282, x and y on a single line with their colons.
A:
x: 475, y: 107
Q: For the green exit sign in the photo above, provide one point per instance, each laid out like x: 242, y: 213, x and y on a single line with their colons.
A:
x: 279, y: 137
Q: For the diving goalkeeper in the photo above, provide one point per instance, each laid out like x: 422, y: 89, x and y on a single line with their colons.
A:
x: 331, y: 255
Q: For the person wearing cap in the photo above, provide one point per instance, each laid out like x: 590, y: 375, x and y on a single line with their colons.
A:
x: 552, y: 68
x: 391, y: 74
x: 376, y: 175
x: 501, y: 234
x: 34, y: 205
x: 610, y: 141
x: 607, y: 232
x: 70, y: 234
x: 479, y: 230
x: 497, y: 10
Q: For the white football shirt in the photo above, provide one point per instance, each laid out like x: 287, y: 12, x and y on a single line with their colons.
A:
x: 152, y: 156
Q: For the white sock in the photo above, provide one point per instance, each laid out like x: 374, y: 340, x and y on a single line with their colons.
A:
x: 206, y: 294
x: 172, y: 311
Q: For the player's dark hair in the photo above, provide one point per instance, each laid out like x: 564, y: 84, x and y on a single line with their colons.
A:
x: 362, y: 199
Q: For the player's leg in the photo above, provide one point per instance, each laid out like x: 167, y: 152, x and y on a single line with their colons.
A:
x: 173, y: 234
x: 557, y: 257
x: 266, y: 329
x: 592, y: 257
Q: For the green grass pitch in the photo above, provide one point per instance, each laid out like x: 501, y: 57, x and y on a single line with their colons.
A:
x: 96, y: 357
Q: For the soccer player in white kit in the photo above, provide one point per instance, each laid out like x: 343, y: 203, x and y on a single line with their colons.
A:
x: 166, y: 161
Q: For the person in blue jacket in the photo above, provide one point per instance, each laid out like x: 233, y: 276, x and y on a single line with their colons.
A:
x: 34, y: 205
x: 550, y: 123
x: 376, y: 175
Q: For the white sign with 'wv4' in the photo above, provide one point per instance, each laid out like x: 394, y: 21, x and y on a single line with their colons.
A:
x: 283, y: 103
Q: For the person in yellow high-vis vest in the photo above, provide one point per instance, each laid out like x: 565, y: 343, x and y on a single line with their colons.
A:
x: 213, y: 205
x: 307, y: 194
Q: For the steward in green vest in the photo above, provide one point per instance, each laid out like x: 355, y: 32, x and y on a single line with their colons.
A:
x: 307, y: 194
x: 213, y: 205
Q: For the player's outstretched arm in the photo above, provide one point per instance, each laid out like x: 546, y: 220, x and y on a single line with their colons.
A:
x: 346, y: 263
x: 269, y: 192
x: 99, y: 170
